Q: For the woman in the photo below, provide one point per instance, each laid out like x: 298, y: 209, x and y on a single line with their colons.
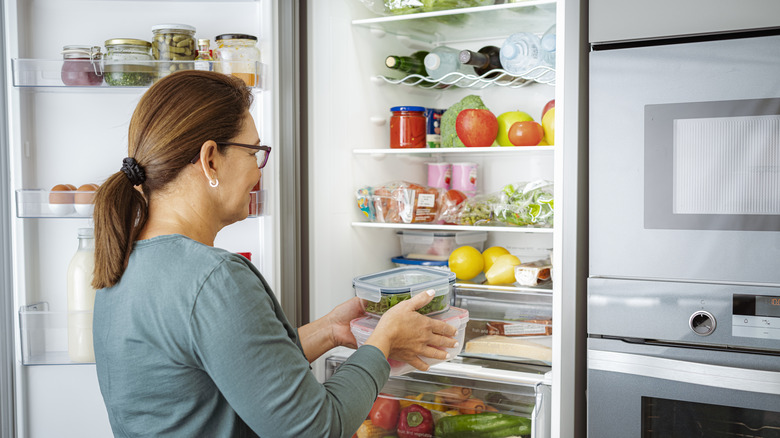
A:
x: 189, y: 340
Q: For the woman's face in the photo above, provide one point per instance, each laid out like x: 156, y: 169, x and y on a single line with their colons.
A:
x: 241, y: 174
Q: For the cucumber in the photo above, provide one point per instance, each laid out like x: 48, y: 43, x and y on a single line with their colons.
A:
x: 483, y: 425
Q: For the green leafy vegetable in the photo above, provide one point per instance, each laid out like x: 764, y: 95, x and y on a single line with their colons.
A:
x: 387, y: 301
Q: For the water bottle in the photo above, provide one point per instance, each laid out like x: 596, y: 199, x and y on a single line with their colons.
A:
x: 548, y: 46
x: 521, y: 52
x: 444, y: 60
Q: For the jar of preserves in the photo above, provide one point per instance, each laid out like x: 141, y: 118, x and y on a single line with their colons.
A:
x: 240, y: 55
x: 81, y: 66
x: 408, y: 127
x: 128, y: 63
x: 173, y: 42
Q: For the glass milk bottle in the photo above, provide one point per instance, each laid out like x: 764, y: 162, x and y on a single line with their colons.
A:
x: 81, y: 299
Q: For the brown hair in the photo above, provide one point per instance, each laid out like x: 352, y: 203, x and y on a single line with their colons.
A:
x: 170, y: 124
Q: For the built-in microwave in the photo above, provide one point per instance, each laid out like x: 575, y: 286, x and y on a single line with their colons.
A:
x: 685, y: 159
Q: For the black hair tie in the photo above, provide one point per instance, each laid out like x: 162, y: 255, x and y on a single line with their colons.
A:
x: 133, y: 171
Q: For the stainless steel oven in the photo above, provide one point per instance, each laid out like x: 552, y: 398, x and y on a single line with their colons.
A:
x: 676, y: 360
x: 684, y: 230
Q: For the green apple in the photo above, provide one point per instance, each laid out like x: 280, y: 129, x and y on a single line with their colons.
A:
x: 505, y: 121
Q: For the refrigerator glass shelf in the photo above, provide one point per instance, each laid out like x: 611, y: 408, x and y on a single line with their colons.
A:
x: 37, y: 203
x: 433, y: 227
x: 44, y: 336
x: 477, y: 23
x: 487, y: 151
x: 515, y: 315
x: 540, y: 74
x: 136, y: 74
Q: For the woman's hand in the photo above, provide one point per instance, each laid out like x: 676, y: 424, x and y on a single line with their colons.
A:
x: 403, y: 334
x: 338, y: 320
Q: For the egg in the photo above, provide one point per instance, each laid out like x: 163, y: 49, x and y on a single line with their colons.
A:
x: 85, y: 198
x: 61, y: 199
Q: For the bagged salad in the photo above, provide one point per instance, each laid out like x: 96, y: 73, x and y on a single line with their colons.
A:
x: 521, y: 204
x: 398, y: 7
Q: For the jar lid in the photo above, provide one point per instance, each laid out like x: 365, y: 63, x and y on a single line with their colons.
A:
x: 127, y: 42
x: 407, y: 108
x: 173, y: 26
x: 77, y: 51
x: 204, y: 42
x: 235, y: 36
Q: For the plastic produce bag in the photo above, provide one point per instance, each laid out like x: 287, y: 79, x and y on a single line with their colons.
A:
x: 521, y: 204
x: 398, y: 7
x: 400, y: 202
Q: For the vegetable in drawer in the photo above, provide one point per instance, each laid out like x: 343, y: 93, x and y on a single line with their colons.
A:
x: 483, y: 425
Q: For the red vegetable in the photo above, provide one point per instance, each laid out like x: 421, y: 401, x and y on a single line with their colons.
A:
x: 385, y: 413
x: 415, y: 422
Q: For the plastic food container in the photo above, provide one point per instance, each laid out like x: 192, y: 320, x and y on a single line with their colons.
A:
x: 435, y: 245
x: 402, y: 261
x: 383, y: 290
x: 456, y: 317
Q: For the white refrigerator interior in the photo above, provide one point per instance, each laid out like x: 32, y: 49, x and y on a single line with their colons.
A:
x: 349, y: 115
x: 78, y: 135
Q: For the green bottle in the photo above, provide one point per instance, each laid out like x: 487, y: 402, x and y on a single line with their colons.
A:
x: 408, y: 64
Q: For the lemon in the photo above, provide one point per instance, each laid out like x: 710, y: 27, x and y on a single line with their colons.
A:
x: 503, y: 270
x: 491, y: 254
x: 466, y: 262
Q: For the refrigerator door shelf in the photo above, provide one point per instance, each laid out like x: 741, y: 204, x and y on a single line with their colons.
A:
x: 520, y: 391
x: 39, y: 203
x: 44, y: 335
x: 465, y: 24
x: 137, y: 74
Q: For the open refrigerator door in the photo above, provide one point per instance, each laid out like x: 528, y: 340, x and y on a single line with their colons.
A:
x: 68, y: 112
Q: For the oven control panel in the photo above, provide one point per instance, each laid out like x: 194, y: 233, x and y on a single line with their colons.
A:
x: 756, y: 316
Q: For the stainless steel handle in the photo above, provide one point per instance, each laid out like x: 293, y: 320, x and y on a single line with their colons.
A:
x: 717, y: 376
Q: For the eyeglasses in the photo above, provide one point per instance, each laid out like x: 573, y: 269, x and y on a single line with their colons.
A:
x: 262, y: 152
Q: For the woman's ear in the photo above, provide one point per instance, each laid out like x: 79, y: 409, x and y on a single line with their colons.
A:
x: 208, y: 155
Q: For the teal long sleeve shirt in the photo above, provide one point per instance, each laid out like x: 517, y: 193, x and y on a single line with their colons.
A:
x: 191, y: 342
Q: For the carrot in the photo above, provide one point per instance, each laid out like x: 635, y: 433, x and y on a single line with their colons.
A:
x: 471, y: 406
x: 454, y: 394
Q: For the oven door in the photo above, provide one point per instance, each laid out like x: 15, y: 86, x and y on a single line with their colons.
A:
x: 670, y: 392
x: 685, y: 160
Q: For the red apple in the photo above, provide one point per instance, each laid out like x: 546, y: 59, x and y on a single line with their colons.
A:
x: 547, y: 106
x: 476, y: 127
x: 527, y: 133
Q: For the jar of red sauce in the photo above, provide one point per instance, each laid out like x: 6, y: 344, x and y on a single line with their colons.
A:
x: 408, y: 127
x: 81, y: 66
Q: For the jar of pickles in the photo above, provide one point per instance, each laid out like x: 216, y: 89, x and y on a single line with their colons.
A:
x: 173, y: 42
x: 240, y: 57
x: 81, y: 66
x: 128, y: 63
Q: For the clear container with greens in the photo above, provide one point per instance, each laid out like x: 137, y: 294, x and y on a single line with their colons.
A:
x: 381, y: 291
x: 128, y: 63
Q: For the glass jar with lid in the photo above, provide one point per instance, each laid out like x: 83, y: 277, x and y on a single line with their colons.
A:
x: 173, y: 42
x: 408, y: 127
x: 128, y: 62
x: 240, y: 57
x: 81, y: 66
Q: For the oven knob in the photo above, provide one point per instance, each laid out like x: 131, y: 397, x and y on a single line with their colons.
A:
x: 702, y: 323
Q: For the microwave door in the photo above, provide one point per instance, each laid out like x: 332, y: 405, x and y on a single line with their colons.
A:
x: 685, y: 161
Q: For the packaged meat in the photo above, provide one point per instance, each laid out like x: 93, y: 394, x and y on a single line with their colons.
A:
x: 400, y: 202
x: 533, y: 273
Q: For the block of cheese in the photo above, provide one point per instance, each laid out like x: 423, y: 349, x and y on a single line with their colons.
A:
x: 536, y: 348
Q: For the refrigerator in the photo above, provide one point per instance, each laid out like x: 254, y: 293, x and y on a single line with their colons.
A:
x: 323, y: 103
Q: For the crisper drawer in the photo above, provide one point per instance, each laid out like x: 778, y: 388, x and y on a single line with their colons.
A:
x: 507, y: 323
x: 466, y: 398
